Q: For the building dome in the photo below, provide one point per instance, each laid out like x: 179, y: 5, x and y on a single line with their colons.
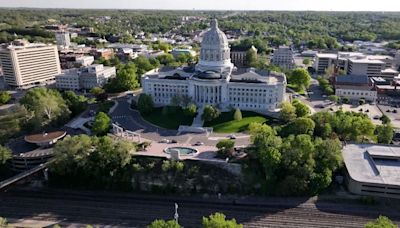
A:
x: 214, y: 37
x: 215, y: 51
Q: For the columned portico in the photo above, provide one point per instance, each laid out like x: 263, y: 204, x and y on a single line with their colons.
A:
x: 207, y: 94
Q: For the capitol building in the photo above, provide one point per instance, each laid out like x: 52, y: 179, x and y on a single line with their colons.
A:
x: 216, y: 81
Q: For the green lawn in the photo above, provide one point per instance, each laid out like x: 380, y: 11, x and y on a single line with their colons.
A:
x: 226, y: 124
x: 171, y: 121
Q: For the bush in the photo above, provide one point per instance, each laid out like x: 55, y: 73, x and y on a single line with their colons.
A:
x: 345, y: 100
x: 237, y: 115
x: 361, y: 101
x: 225, y: 148
x: 5, y: 97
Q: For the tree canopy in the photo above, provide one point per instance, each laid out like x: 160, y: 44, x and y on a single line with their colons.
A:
x: 218, y: 220
x: 101, y: 124
x: 47, y: 105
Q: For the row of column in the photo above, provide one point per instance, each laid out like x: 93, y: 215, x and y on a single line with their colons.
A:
x: 207, y: 94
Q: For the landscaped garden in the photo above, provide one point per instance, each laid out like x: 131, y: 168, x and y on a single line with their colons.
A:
x: 168, y: 119
x: 226, y: 123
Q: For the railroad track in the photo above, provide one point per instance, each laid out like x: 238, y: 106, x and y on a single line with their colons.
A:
x: 130, y: 211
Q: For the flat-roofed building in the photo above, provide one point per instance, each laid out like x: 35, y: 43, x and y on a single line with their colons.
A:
x: 239, y: 56
x: 283, y: 57
x: 366, y: 66
x: 27, y: 63
x: 63, y: 39
x: 373, y: 169
x: 355, y: 87
x: 85, y: 78
x: 323, y: 61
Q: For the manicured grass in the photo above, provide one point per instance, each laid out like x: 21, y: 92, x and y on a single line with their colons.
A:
x: 170, y: 121
x: 226, y: 124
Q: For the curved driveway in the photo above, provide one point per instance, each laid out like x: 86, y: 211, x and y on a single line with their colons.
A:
x: 131, y: 120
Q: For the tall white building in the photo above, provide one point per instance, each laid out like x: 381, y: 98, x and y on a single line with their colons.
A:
x: 63, y: 39
x: 283, y: 57
x: 27, y: 63
x: 85, y: 78
x: 354, y: 63
x: 216, y: 81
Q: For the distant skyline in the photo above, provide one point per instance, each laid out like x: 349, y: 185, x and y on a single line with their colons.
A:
x: 314, y: 5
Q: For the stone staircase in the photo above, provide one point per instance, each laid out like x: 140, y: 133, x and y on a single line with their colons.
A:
x: 197, y: 121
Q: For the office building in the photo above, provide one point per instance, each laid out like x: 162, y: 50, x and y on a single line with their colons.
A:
x: 63, y: 39
x: 27, y: 63
x: 355, y: 87
x: 85, y: 78
x: 283, y: 57
x: 239, y: 56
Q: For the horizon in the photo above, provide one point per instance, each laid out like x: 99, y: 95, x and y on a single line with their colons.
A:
x: 210, y: 5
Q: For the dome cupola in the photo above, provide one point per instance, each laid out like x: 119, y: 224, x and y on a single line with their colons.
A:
x: 215, y: 51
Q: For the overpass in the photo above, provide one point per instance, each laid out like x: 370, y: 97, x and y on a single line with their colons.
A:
x: 26, y: 174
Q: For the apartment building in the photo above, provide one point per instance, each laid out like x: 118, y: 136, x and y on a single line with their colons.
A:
x: 27, y: 63
x: 85, y: 78
x: 283, y: 57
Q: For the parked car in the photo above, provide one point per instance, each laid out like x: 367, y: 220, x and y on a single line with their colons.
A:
x: 232, y: 136
x: 394, y: 111
x: 173, y: 141
x: 164, y: 141
x: 377, y: 117
x: 198, y: 143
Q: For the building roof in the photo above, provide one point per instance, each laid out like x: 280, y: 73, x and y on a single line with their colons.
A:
x: 373, y: 163
x: 367, y: 61
x: 45, y: 137
x: 327, y: 55
x: 352, y: 79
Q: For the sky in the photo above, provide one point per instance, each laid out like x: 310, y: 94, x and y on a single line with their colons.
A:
x: 315, y: 5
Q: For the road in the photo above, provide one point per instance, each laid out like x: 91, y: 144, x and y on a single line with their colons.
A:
x: 28, y: 208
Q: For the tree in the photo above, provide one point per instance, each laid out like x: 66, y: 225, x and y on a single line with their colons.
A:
x: 5, y: 155
x: 267, y: 150
x: 301, y: 108
x: 47, y: 105
x: 5, y: 97
x: 345, y: 100
x: 145, y: 104
x: 190, y: 110
x: 143, y: 65
x: 225, y: 148
x: 384, y: 133
x: 4, y: 223
x: 300, y: 78
x: 237, y: 115
x: 91, y: 159
x: 298, y: 164
x: 299, y: 126
x: 101, y: 124
x: 164, y: 224
x: 251, y: 57
x: 75, y: 103
x: 210, y: 113
x: 333, y: 98
x: 287, y: 112
x: 306, y: 61
x: 218, y: 220
x: 96, y: 91
x: 381, y: 222
x: 385, y: 119
x: 125, y: 80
